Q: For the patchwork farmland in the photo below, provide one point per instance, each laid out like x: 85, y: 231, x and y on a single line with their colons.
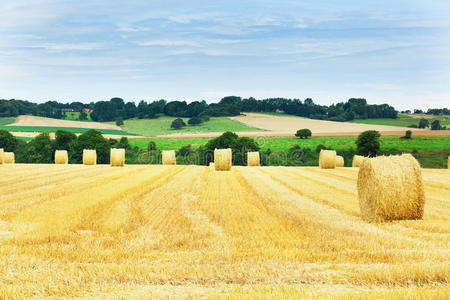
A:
x: 190, y: 231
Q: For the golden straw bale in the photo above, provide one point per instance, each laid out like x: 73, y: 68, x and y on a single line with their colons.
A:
x: 222, y: 159
x: 327, y: 159
x: 211, y: 164
x: 390, y: 188
x: 339, y: 161
x: 8, y: 157
x: 169, y: 157
x: 89, y: 157
x: 357, y: 160
x: 253, y: 159
x: 61, y: 157
x: 1, y: 155
x: 117, y: 157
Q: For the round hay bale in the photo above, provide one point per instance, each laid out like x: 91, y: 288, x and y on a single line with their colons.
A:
x: 390, y: 188
x: 357, y: 160
x: 339, y: 161
x: 1, y: 155
x: 169, y: 157
x: 117, y: 157
x: 89, y: 157
x: 327, y: 159
x: 222, y: 159
x: 8, y: 157
x: 61, y: 157
x: 253, y: 159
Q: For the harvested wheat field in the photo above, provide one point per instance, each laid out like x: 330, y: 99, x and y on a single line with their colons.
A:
x: 190, y: 231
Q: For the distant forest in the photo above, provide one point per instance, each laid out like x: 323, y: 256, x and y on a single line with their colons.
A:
x: 103, y: 111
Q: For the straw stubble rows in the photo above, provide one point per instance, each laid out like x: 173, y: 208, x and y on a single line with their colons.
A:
x: 96, y: 231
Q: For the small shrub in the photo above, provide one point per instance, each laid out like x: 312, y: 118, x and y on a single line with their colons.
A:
x: 119, y: 121
x: 178, y: 124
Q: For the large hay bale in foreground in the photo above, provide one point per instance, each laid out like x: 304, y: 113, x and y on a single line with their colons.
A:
x: 169, y: 157
x: 117, y: 157
x: 390, y: 188
x: 253, y: 159
x: 89, y: 157
x: 327, y: 159
x: 1, y: 155
x: 222, y: 159
x: 357, y: 160
x: 8, y: 157
x: 61, y: 157
x: 339, y: 161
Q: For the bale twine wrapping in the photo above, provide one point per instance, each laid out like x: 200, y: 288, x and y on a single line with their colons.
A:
x: 253, y: 159
x: 169, y: 158
x: 61, y: 157
x: 357, y: 160
x: 327, y: 159
x: 339, y: 161
x: 1, y: 155
x: 390, y: 188
x: 8, y: 157
x: 222, y: 159
x: 117, y: 157
x: 89, y: 157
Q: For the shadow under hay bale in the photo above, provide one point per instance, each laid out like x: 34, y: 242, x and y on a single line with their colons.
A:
x: 61, y: 157
x: 222, y: 159
x: 390, y: 188
x: 8, y: 158
x: 327, y: 159
x: 117, y: 157
x: 253, y: 159
x: 357, y: 160
x: 89, y: 157
x: 169, y: 157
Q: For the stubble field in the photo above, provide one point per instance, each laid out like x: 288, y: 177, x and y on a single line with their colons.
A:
x: 189, y: 231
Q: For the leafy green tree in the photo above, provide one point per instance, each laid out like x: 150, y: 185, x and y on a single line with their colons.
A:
x: 408, y: 134
x: 7, y: 141
x: 177, y: 124
x: 303, y: 133
x: 436, y: 125
x: 119, y: 121
x: 39, y: 150
x: 151, y: 146
x: 63, y: 139
x: 195, y: 121
x: 91, y: 139
x: 83, y: 116
x: 123, y: 143
x: 368, y: 143
x: 423, y: 123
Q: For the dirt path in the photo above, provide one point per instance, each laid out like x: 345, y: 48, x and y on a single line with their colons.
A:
x: 49, y: 122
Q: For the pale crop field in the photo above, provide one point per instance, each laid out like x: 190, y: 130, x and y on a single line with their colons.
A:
x: 189, y: 231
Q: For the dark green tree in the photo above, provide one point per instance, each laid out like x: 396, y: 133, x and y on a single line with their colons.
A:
x: 436, y: 125
x: 119, y: 121
x: 408, y: 134
x: 63, y: 139
x: 423, y: 123
x: 303, y: 133
x: 151, y: 146
x: 123, y: 143
x: 194, y: 121
x: 91, y: 139
x: 368, y: 143
x: 177, y: 124
x: 7, y: 141
x: 83, y: 116
x: 39, y: 150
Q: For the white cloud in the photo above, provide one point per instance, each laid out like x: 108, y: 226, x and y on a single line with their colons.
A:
x: 59, y: 47
x: 169, y: 43
x: 131, y: 28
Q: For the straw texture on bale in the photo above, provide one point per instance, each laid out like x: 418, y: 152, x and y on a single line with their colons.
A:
x: 222, y: 159
x: 61, y: 157
x: 327, y: 159
x: 89, y: 157
x: 211, y: 164
x: 169, y: 158
x: 357, y: 160
x: 8, y: 157
x: 253, y: 159
x: 390, y: 188
x: 117, y: 157
x: 1, y: 155
x: 339, y: 161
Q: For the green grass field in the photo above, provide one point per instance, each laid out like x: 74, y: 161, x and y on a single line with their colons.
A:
x: 403, y: 121
x: 161, y: 125
x: 418, y: 143
x: 6, y: 121
x: 74, y: 115
x: 54, y: 129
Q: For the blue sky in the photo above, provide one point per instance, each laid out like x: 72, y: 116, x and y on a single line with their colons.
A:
x: 395, y: 52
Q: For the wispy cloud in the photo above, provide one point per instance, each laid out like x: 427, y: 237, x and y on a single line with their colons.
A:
x: 131, y: 28
x: 168, y: 43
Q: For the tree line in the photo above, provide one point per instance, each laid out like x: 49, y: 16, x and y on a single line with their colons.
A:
x: 117, y: 108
